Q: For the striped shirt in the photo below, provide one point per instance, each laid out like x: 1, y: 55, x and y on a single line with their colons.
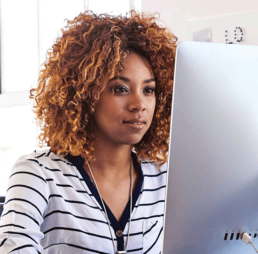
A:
x: 52, y: 207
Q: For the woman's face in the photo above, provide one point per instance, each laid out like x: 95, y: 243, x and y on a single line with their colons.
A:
x: 126, y: 107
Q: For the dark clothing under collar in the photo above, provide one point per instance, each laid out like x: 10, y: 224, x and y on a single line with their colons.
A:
x: 78, y: 162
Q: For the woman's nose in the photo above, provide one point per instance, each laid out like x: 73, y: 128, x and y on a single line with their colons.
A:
x: 136, y: 103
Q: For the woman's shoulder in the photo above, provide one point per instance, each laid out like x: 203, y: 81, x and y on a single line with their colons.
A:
x: 40, y: 161
x: 152, y: 169
x: 153, y: 174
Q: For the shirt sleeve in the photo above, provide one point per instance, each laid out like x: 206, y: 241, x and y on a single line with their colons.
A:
x: 25, y: 203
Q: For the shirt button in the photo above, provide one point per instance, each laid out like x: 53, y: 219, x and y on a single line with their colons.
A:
x: 119, y: 233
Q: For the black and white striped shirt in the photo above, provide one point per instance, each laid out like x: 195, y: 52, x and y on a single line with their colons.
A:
x: 51, y: 207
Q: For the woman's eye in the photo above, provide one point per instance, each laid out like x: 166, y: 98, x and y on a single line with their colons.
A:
x: 120, y: 89
x: 149, y: 90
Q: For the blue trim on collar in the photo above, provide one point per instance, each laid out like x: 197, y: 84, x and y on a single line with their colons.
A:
x: 78, y: 162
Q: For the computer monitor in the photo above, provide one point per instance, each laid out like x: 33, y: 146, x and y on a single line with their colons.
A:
x: 212, y: 191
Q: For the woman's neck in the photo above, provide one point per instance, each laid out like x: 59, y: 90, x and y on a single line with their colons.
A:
x: 112, y: 161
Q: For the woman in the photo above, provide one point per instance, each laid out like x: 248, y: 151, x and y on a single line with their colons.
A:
x: 103, y: 102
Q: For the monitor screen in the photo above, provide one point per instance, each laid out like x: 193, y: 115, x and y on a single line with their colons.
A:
x: 212, y: 190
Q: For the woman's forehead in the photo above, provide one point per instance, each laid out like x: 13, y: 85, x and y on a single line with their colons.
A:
x: 132, y: 62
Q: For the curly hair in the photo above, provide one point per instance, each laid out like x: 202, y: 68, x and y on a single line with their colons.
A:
x: 83, y: 59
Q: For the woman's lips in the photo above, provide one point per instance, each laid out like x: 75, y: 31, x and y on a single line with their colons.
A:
x: 135, y: 123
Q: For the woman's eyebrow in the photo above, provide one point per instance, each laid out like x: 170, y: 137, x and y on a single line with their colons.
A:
x: 128, y: 80
x: 149, y: 80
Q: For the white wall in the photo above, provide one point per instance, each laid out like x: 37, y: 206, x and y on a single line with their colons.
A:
x: 181, y: 15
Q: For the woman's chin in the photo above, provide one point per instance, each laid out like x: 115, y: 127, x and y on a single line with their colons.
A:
x: 131, y: 140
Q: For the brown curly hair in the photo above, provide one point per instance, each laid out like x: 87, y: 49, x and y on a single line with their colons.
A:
x: 83, y: 59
